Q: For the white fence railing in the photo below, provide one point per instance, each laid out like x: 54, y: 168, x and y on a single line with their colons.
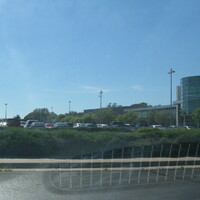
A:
x: 128, y: 166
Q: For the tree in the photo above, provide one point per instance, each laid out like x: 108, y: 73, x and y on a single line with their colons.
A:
x: 140, y: 105
x: 60, y: 117
x: 151, y: 117
x: 131, y: 117
x: 113, y: 105
x: 106, y: 115
x: 163, y: 118
x: 52, y: 117
x: 17, y: 117
x: 196, y: 116
x: 40, y: 114
x: 88, y: 118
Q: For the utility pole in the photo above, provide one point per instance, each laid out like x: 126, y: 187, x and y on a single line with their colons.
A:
x: 170, y: 73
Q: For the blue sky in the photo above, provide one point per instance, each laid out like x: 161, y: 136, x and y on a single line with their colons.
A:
x: 53, y: 52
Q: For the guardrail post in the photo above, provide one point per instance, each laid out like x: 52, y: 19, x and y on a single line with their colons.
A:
x: 158, y: 169
x: 139, y: 173
x: 170, y: 151
x: 122, y: 161
x: 91, y: 169
x: 81, y: 172
x: 101, y: 172
x: 131, y: 165
x: 70, y: 176
x: 177, y: 162
x: 186, y: 159
x: 60, y: 176
x: 149, y: 170
x: 111, y: 168
x: 195, y: 159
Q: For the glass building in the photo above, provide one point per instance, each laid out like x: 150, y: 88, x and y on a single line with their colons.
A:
x: 190, y: 94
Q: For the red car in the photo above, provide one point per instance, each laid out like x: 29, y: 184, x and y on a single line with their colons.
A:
x: 49, y: 125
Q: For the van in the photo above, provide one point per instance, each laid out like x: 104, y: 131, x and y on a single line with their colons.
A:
x: 29, y: 122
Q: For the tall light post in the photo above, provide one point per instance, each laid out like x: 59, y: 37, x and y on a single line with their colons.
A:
x: 100, y: 96
x: 69, y: 106
x: 6, y: 111
x: 170, y: 73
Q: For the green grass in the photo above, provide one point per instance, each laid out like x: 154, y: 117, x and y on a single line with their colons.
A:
x: 5, y: 170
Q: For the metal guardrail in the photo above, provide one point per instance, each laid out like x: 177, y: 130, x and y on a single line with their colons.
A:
x: 128, y: 166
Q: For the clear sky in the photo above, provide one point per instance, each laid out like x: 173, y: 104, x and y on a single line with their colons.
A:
x: 56, y: 51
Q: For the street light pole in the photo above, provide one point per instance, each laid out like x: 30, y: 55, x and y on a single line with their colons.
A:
x: 100, y: 96
x: 170, y: 73
x: 69, y: 106
x: 6, y: 111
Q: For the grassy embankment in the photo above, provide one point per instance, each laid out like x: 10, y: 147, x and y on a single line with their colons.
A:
x: 17, y: 142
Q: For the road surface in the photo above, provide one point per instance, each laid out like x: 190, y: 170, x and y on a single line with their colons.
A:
x: 39, y: 185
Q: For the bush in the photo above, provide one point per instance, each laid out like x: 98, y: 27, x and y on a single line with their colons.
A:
x: 68, y: 143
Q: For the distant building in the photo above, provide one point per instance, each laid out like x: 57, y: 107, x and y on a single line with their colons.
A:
x: 178, y: 93
x: 118, y: 109
x: 143, y: 112
x: 190, y: 94
x: 187, y: 101
x: 190, y: 97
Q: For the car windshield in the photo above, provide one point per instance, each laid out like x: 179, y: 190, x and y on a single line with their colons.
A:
x: 108, y: 103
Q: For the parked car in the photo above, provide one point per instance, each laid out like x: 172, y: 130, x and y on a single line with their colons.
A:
x: 22, y: 123
x: 70, y: 124
x: 77, y: 125
x: 49, y: 125
x: 90, y: 125
x: 116, y: 124
x: 37, y: 125
x: 60, y: 125
x: 174, y: 127
x: 102, y: 125
x: 187, y: 127
x: 157, y: 126
x: 29, y: 122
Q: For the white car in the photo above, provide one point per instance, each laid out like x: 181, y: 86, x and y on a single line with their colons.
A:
x: 102, y: 125
x: 157, y: 126
x: 77, y: 125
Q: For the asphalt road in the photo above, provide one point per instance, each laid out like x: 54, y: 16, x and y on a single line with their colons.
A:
x: 42, y: 185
